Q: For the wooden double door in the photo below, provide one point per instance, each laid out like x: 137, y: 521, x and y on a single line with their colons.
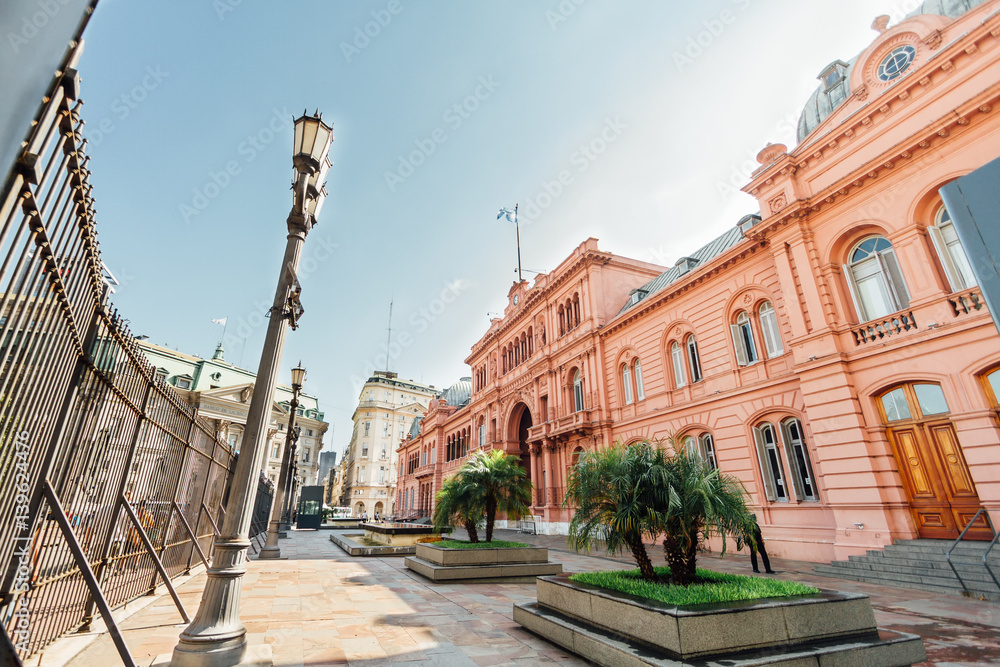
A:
x: 938, y: 483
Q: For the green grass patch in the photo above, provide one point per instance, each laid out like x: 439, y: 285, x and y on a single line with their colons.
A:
x: 710, y: 586
x: 495, y: 544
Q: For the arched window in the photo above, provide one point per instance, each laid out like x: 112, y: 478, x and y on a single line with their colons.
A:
x: 562, y: 321
x: 576, y: 310
x: 693, y: 358
x: 626, y: 384
x: 771, y: 468
x: 677, y: 359
x: 578, y: 391
x: 746, y: 349
x: 769, y: 328
x: 875, y: 280
x: 798, y: 460
x: 640, y: 391
x: 951, y: 253
x: 701, y: 446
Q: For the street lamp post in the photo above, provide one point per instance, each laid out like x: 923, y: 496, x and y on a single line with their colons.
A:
x: 286, y: 510
x: 271, y: 549
x: 216, y: 637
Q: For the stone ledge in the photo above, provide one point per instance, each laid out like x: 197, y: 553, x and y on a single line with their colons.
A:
x: 433, y: 553
x: 354, y: 548
x: 508, y: 573
x: 700, y: 631
x: 886, y: 648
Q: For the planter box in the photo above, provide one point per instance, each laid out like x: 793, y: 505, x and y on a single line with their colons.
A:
x: 609, y: 627
x: 482, y: 556
x: 510, y: 565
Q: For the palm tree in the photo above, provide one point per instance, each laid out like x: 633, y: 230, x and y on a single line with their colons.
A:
x: 457, y: 502
x: 701, y: 503
x: 617, y: 490
x: 500, y: 484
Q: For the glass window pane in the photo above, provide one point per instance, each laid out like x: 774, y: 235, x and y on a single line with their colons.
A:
x: 895, y: 405
x: 931, y: 399
x: 874, y: 297
x: 994, y: 380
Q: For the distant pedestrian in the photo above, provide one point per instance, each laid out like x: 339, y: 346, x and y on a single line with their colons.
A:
x: 758, y: 545
x: 376, y: 517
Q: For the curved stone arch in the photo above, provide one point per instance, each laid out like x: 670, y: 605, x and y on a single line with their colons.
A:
x: 737, y: 301
x: 911, y: 31
x: 670, y: 334
x: 839, y: 248
x: 924, y: 207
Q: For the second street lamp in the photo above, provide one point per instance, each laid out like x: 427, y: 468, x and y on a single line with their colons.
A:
x: 216, y: 636
x: 271, y: 550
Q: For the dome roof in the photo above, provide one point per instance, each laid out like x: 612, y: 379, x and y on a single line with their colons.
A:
x: 460, y: 393
x: 950, y: 8
x: 835, y: 88
x: 415, y: 427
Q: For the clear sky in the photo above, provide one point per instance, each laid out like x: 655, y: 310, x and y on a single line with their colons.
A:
x: 650, y: 111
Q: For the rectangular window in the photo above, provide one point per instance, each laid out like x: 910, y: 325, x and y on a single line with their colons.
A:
x: 482, y: 435
x: 694, y: 359
x: 798, y: 456
x: 677, y: 359
x: 627, y: 384
x: 640, y: 391
x: 381, y: 475
x: 770, y: 463
x: 276, y: 452
x: 367, y: 427
x: 708, y: 449
x: 769, y: 327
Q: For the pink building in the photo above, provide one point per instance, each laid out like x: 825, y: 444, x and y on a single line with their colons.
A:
x: 833, y: 351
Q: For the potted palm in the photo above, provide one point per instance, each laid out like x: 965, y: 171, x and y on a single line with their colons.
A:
x: 489, y: 483
x: 625, y: 495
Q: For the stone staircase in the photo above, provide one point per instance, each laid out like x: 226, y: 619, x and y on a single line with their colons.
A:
x: 921, y: 564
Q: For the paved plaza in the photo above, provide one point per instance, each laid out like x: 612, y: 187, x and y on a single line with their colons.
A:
x: 322, y: 607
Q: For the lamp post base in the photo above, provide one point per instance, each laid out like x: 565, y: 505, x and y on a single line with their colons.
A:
x: 271, y: 550
x: 259, y: 655
x: 216, y: 637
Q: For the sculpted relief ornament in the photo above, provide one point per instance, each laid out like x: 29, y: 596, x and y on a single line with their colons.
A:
x: 246, y: 394
x: 777, y: 203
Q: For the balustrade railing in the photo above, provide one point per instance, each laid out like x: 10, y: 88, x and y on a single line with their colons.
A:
x: 876, y: 330
x: 969, y: 301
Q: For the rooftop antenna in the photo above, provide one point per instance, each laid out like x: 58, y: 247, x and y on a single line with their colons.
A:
x: 388, y: 337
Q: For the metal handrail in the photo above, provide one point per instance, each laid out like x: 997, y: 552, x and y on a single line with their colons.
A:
x: 947, y: 555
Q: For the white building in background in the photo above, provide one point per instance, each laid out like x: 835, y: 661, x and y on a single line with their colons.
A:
x: 386, y: 409
x: 221, y: 392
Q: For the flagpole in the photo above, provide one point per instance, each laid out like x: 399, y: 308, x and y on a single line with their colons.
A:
x: 517, y: 230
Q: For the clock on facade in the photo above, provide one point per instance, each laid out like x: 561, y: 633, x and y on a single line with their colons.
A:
x: 516, y: 299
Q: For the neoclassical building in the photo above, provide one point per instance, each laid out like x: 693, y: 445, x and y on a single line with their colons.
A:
x: 832, y: 351
x: 221, y: 391
x: 387, y: 408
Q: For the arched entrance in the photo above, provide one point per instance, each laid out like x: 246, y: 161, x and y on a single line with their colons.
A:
x: 517, y: 431
x: 359, y: 509
x: 936, y: 478
x: 379, y: 508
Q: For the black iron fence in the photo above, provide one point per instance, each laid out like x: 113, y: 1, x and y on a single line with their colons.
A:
x: 109, y: 483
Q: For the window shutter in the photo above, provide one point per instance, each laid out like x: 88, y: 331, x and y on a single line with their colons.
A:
x: 739, y: 345
x: 858, y: 306
x: 793, y: 463
x: 772, y: 341
x: 897, y: 286
x: 678, y: 361
x: 949, y: 266
x: 764, y: 470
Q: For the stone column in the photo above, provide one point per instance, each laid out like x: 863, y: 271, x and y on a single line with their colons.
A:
x: 547, y: 447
